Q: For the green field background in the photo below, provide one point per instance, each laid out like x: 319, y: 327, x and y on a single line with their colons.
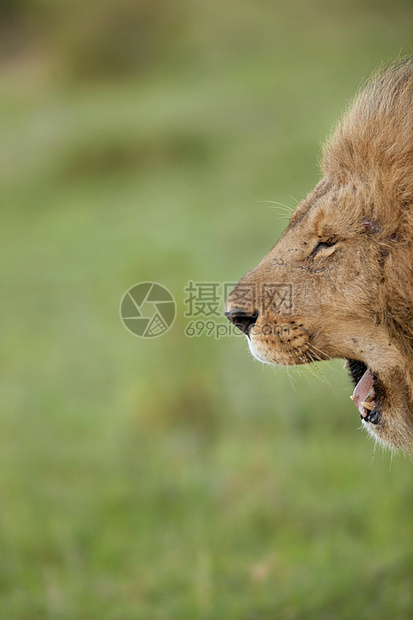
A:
x: 177, y: 478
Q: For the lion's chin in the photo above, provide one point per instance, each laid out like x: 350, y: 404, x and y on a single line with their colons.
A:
x: 257, y: 355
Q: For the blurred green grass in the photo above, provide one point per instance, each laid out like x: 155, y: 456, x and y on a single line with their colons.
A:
x: 177, y: 478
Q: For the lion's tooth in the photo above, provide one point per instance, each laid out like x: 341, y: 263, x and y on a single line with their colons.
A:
x: 351, y: 396
x: 368, y: 405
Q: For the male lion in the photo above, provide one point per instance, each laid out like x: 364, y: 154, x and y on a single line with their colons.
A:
x: 339, y: 282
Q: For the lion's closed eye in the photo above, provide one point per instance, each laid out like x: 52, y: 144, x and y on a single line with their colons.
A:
x: 324, y: 248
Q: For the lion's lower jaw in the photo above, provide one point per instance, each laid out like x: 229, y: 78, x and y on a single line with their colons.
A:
x: 394, y: 432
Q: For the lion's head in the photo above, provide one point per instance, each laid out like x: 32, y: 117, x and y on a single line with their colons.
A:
x: 339, y: 282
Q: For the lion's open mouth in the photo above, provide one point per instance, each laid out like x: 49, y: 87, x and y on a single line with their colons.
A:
x: 364, y: 395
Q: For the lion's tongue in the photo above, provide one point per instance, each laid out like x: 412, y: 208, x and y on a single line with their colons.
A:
x: 362, y: 391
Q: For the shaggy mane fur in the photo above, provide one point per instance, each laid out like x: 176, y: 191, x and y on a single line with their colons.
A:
x: 374, y: 141
x: 372, y: 148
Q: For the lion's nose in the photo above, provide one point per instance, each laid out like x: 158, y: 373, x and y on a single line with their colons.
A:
x: 241, y: 319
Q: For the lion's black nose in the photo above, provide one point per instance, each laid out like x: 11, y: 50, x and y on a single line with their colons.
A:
x: 242, y: 319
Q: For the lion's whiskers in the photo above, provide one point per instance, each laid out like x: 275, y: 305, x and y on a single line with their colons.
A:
x: 278, y: 204
x: 318, y: 352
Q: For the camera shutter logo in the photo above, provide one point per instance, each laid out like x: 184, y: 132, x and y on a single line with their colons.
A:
x: 148, y: 310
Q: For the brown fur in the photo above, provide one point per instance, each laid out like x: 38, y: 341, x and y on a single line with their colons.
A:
x: 352, y: 296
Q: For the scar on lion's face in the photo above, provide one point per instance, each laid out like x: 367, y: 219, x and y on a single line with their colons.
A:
x: 339, y: 282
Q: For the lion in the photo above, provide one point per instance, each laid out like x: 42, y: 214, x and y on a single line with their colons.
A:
x: 339, y: 282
